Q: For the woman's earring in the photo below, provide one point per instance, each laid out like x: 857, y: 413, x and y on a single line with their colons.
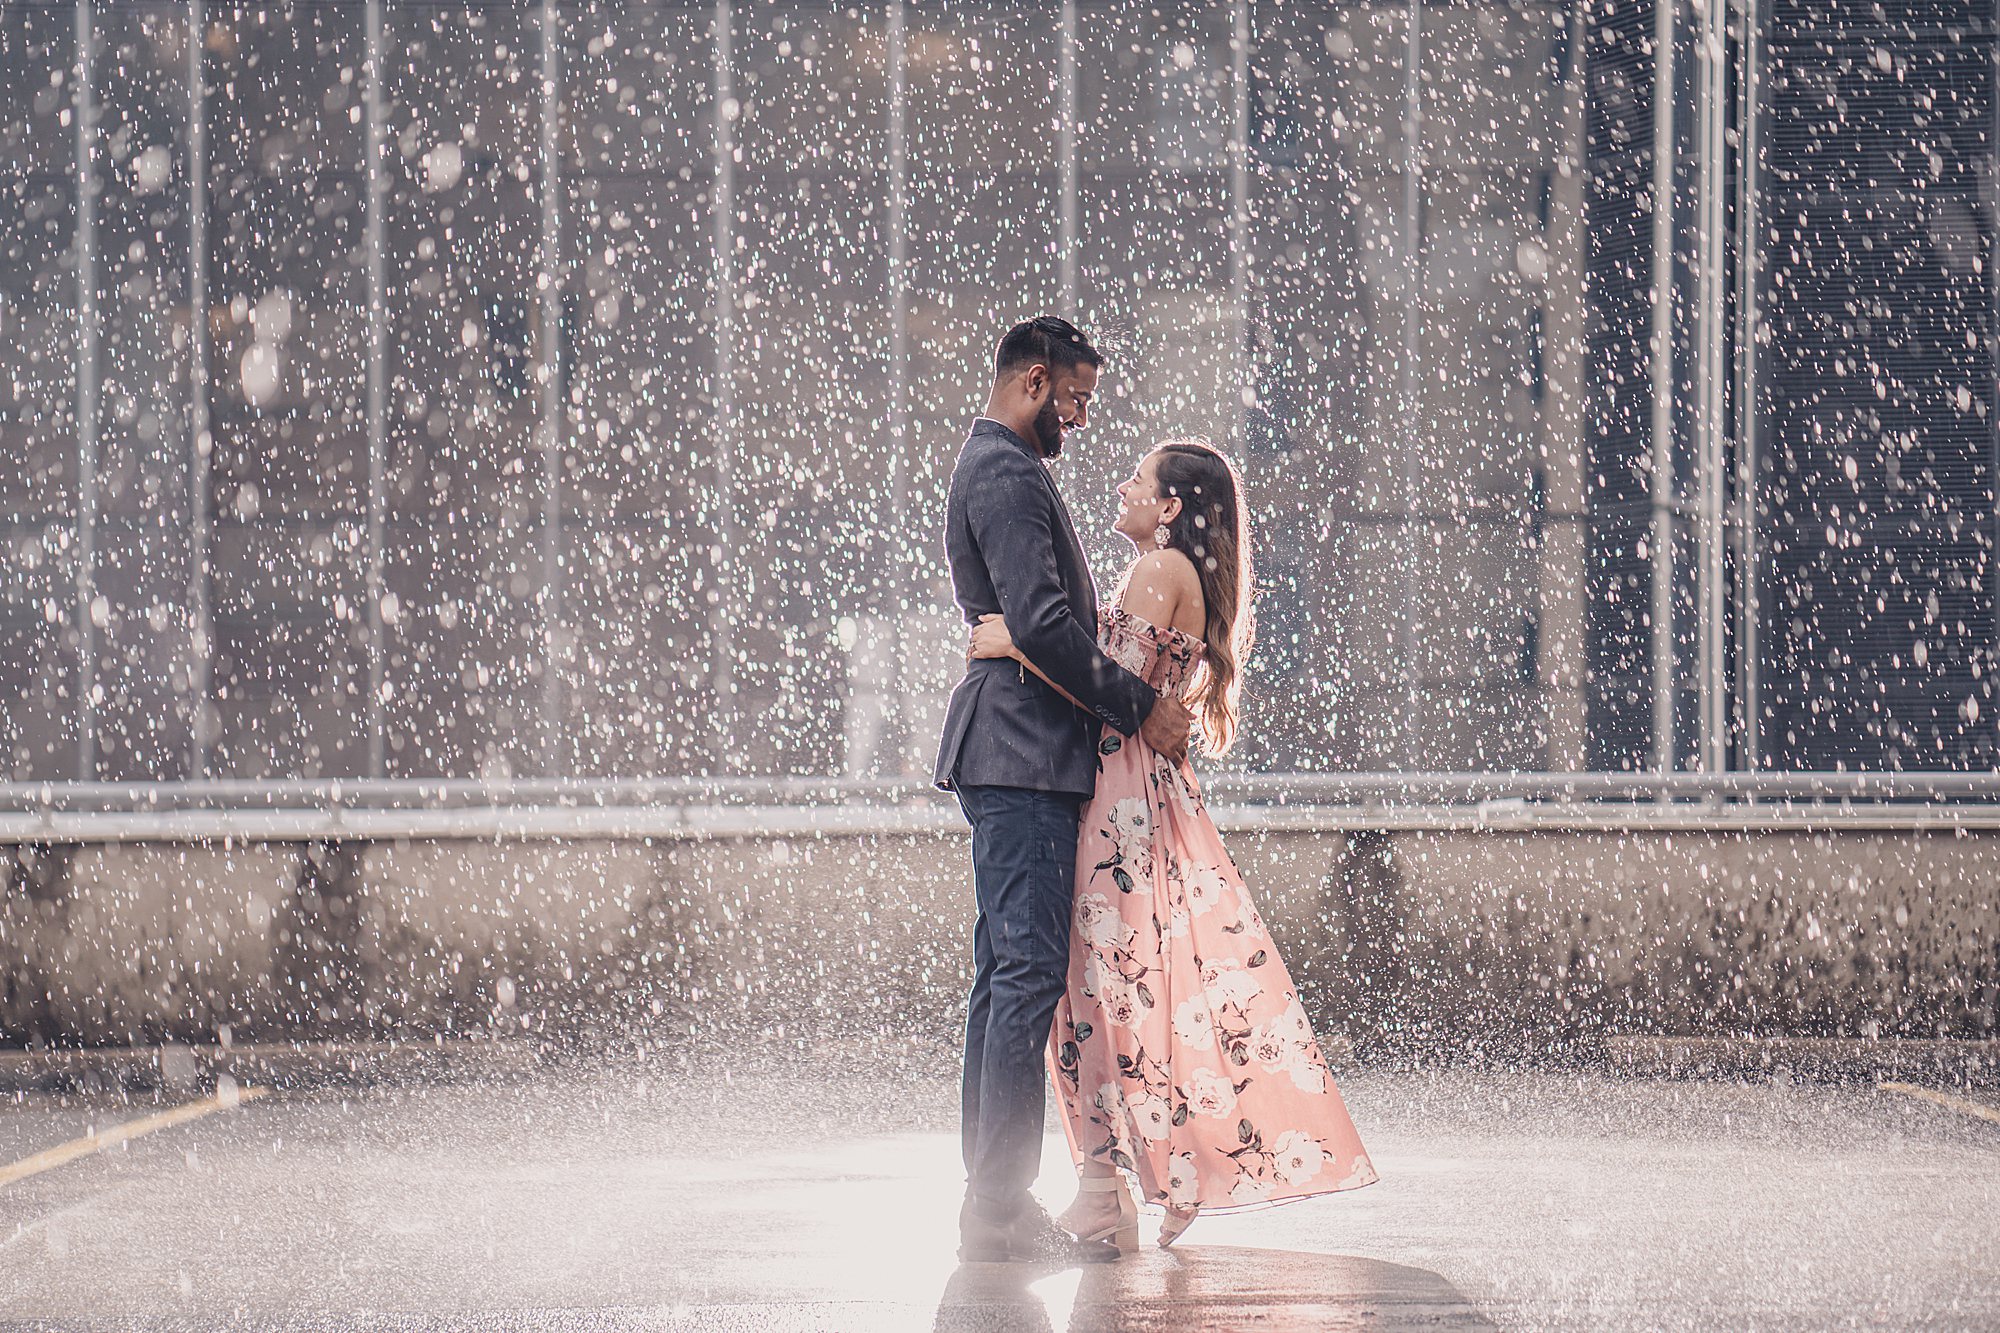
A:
x: 1163, y: 537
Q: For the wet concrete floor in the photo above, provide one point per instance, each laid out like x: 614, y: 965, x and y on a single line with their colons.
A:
x: 649, y: 1197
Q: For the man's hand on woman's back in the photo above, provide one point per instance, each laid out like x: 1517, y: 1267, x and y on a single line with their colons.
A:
x: 1166, y: 728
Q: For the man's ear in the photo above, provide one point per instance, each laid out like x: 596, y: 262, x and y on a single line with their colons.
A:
x: 1035, y: 380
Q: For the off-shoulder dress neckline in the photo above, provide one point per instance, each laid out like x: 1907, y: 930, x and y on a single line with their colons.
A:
x: 1118, y: 612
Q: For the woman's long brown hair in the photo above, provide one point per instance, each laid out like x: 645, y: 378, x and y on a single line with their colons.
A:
x: 1213, y: 530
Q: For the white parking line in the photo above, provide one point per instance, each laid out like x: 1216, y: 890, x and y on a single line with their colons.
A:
x: 50, y: 1158
x: 1944, y: 1099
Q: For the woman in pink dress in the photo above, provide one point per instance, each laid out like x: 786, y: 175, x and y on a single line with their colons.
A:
x: 1181, y: 1053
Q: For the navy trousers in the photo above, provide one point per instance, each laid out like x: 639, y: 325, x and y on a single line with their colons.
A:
x: 1024, y: 880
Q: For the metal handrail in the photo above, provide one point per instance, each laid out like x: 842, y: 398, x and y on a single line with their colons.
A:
x: 1365, y: 790
x: 778, y: 823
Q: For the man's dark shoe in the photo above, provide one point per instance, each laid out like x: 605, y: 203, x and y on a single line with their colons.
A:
x: 1032, y: 1237
x: 981, y: 1241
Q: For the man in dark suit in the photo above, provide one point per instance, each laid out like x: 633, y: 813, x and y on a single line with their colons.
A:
x: 1023, y: 760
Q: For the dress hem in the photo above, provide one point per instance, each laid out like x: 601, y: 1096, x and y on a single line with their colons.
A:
x: 1259, y: 1205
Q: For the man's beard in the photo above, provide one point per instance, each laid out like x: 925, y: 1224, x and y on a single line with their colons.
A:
x: 1048, y: 430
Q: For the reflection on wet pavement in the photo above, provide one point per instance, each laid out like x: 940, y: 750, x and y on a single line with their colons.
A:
x: 1204, y: 1287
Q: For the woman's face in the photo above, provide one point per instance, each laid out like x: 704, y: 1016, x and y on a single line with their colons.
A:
x: 1141, y: 508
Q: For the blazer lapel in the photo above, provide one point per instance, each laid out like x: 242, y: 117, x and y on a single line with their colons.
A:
x: 1083, y: 588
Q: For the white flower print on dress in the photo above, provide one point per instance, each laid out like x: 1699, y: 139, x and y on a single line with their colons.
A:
x: 1308, y: 1074
x: 1110, y: 1097
x: 1271, y: 1048
x: 1292, y: 1024
x: 1247, y: 924
x: 1297, y: 1157
x: 1099, y: 923
x: 1194, y: 1026
x: 1204, y: 889
x: 1249, y: 1189
x: 1098, y: 977
x: 1131, y: 828
x: 1210, y: 1093
x: 1121, y: 1004
x: 1183, y: 1181
x: 1151, y: 1116
x: 1226, y: 981
x: 1362, y: 1174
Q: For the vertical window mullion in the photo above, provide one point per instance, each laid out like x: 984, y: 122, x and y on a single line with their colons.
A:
x: 201, y: 527
x: 723, y: 313
x: 374, y: 223
x: 86, y: 395
x: 550, y: 372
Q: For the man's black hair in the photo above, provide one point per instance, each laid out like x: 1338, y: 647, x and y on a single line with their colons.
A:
x: 1049, y: 339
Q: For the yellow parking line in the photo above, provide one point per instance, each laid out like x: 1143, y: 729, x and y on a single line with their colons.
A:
x: 51, y: 1158
x: 1944, y: 1099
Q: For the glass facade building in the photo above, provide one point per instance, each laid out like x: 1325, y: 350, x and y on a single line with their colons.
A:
x: 443, y: 390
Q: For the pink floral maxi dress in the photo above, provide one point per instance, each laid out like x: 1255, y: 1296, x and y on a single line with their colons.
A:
x: 1180, y: 1050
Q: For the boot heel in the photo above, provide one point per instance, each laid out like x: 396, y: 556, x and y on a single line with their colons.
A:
x: 1122, y: 1235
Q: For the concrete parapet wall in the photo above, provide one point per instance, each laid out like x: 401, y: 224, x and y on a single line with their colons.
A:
x: 1478, y: 938
x: 1442, y: 941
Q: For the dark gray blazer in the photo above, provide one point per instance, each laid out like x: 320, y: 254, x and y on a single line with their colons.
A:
x: 1013, y: 549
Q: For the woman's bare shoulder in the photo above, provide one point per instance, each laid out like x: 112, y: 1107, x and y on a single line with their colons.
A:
x: 1169, y: 565
x: 1169, y: 568
x: 1162, y: 587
